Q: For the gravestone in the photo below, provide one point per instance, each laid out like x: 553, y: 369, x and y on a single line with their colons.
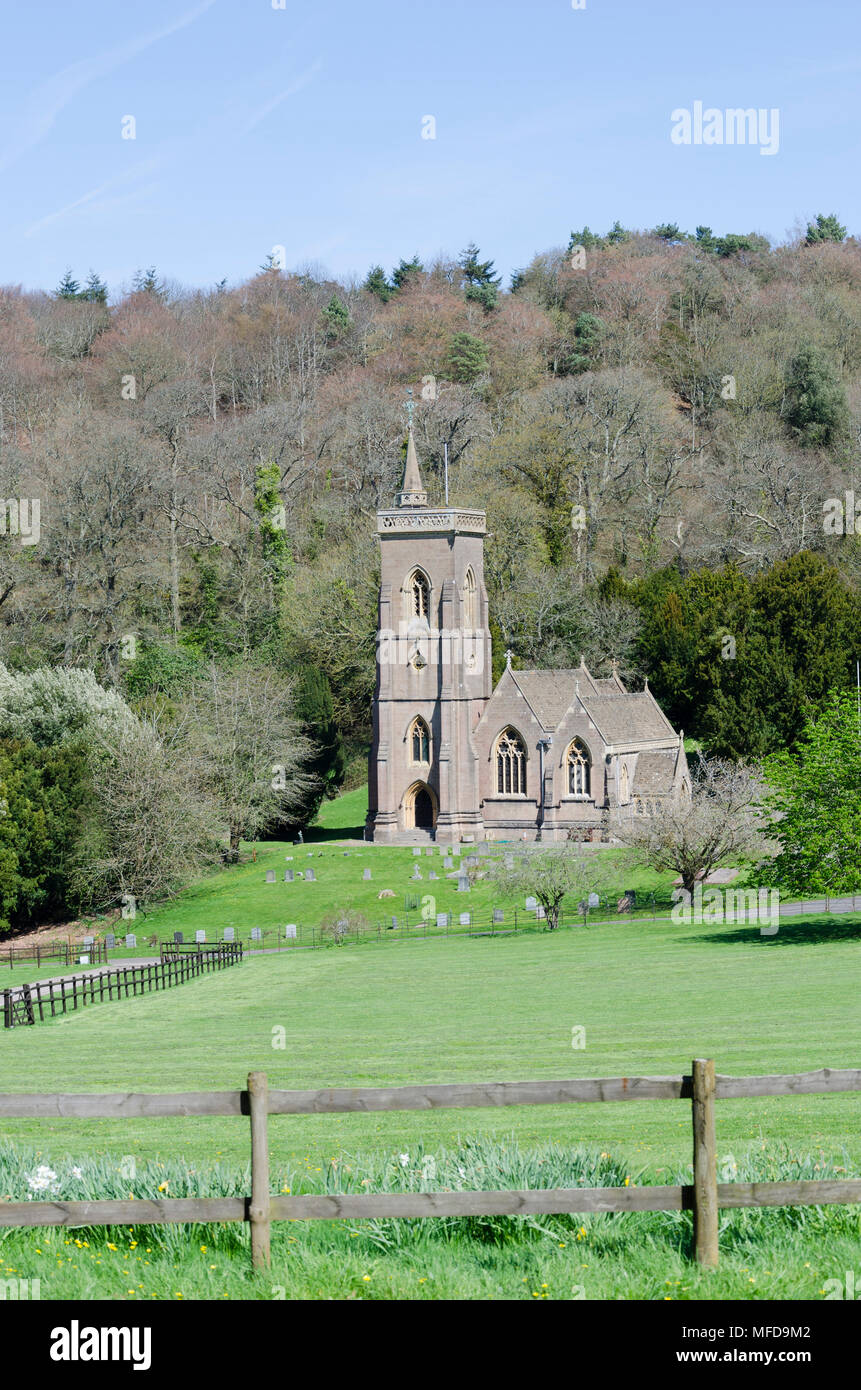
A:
x: 131, y: 941
x: 463, y: 884
x: 442, y: 919
x: 228, y: 934
x: 429, y: 849
x: 539, y: 914
x: 200, y: 937
x: 309, y: 876
x: 472, y: 861
x: 434, y: 876
x: 394, y: 924
x: 110, y: 940
x: 593, y: 900
x: 448, y: 862
x: 270, y: 875
x: 769, y: 931
x: 366, y: 874
x: 178, y: 938
x: 289, y: 875
x: 290, y: 931
x: 256, y: 934
x: 417, y: 851
x: 416, y: 873
x: 465, y: 919
x: 498, y: 914
x: 509, y: 861
x: 531, y: 904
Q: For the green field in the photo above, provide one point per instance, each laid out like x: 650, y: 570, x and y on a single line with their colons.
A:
x: 650, y: 997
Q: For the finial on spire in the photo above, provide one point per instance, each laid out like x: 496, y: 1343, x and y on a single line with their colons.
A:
x: 508, y: 655
x: 409, y: 405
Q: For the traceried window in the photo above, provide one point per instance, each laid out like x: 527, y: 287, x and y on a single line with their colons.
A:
x: 578, y: 769
x: 419, y: 741
x: 469, y: 603
x: 510, y: 764
x: 418, y: 592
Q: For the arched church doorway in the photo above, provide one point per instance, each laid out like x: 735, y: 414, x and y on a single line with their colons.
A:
x: 419, y: 808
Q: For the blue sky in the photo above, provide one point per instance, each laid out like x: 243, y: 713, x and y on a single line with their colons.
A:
x: 302, y: 127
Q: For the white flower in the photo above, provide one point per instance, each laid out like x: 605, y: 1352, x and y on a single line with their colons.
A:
x: 405, y: 1158
x: 43, y: 1179
x: 77, y: 1173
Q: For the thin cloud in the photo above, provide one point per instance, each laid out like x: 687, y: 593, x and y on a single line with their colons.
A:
x: 46, y: 101
x: 262, y: 112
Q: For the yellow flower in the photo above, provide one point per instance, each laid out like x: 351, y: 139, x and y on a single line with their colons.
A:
x: 366, y: 1278
x: 162, y: 1187
x: 111, y: 1247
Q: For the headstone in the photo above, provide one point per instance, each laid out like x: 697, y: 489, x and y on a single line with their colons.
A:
x: 465, y: 919
x: 448, y: 862
x: 434, y: 876
x: 416, y: 873
x: 88, y: 940
x: 309, y: 875
x: 463, y: 884
x: 539, y: 914
x: 442, y: 919
x: 366, y: 874
x: 178, y: 938
x: 256, y: 934
x: 472, y: 861
x: 310, y: 854
x: 83, y: 960
x: 417, y: 851
x: 531, y: 904
x: 289, y: 875
x: 131, y: 941
x: 229, y: 934
x: 769, y: 931
x: 594, y: 900
x: 509, y: 861
x: 200, y: 937
x: 429, y: 849
x: 290, y: 931
x: 110, y: 940
x: 498, y: 914
x: 270, y: 875
x: 394, y: 923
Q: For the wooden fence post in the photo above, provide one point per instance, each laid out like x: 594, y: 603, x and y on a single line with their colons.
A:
x: 258, y: 1212
x: 705, y: 1164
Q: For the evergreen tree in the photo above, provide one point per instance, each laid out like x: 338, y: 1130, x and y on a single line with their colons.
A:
x: 314, y: 706
x: 474, y: 271
x: 617, y: 235
x: 467, y: 358
x: 668, y: 231
x: 147, y: 282
x: 816, y: 400
x: 825, y: 228
x: 96, y: 291
x: 336, y: 318
x: 588, y: 329
x: 276, y: 549
x: 407, y: 270
x: 68, y: 287
x: 376, y: 283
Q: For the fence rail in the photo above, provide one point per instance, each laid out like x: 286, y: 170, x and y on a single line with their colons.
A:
x: 704, y: 1197
x: 47, y: 998
x: 55, y: 950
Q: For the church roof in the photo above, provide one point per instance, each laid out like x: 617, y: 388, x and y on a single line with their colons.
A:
x: 655, y: 771
x: 621, y: 716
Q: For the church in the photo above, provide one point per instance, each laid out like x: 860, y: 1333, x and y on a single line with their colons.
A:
x: 546, y: 755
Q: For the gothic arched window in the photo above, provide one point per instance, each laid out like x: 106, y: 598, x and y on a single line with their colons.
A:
x: 510, y: 764
x: 419, y: 741
x: 623, y: 785
x: 469, y: 603
x: 579, y: 769
x: 418, y: 594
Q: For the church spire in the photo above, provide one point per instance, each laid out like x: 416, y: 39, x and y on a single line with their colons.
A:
x: 412, y: 493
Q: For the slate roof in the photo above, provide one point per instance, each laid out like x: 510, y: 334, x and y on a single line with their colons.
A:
x: 620, y: 715
x: 654, y: 772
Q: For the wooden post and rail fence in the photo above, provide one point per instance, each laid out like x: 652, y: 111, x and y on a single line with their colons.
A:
x: 705, y: 1196
x: 47, y: 998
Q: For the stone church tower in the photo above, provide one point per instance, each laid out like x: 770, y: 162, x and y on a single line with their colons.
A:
x: 433, y: 669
